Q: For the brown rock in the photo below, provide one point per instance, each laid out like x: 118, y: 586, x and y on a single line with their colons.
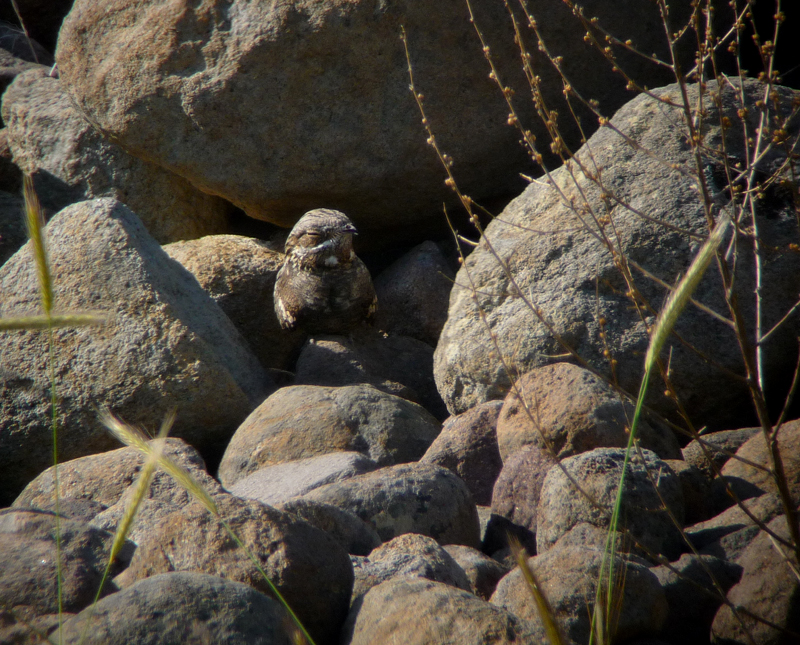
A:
x: 559, y: 260
x: 516, y: 492
x: 423, y: 612
x: 307, y: 566
x: 727, y: 534
x: 692, y: 588
x: 755, y: 451
x: 239, y: 274
x: 13, y: 233
x: 182, y: 607
x: 568, y: 579
x: 769, y: 590
x: 276, y: 484
x: 568, y: 409
x: 304, y: 420
x: 353, y: 534
x: 28, y: 561
x: 467, y: 445
x: 720, y: 446
x: 106, y: 477
x: 695, y: 485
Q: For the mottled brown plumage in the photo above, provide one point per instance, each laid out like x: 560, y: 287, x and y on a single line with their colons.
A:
x: 322, y: 286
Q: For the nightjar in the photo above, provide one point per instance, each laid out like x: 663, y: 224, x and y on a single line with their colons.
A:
x: 322, y: 286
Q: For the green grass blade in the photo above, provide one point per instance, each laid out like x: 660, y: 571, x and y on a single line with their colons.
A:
x: 554, y: 635
x: 47, y: 322
x: 675, y: 304
x: 34, y: 218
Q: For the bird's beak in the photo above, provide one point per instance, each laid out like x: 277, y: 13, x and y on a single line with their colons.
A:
x: 350, y: 229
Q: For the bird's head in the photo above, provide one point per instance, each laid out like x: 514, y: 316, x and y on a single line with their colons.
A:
x: 322, y: 238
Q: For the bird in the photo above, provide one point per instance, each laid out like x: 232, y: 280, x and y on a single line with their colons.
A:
x: 322, y: 286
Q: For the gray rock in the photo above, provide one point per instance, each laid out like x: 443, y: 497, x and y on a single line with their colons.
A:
x: 407, y: 556
x: 692, y: 586
x: 239, y: 274
x: 303, y: 421
x: 182, y: 607
x: 353, y: 534
x: 397, y: 365
x: 467, y: 445
x: 409, y: 498
x: 280, y: 483
x: 562, y: 505
x: 568, y: 273
x: 769, y: 590
x: 720, y: 447
x: 482, y: 571
x: 568, y: 579
x: 569, y: 410
x: 413, y: 293
x: 312, y: 572
x: 71, y: 162
x: 423, y: 612
x: 28, y: 561
x: 166, y: 344
x: 305, y: 132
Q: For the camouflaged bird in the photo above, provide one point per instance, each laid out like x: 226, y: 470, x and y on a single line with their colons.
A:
x: 323, y: 287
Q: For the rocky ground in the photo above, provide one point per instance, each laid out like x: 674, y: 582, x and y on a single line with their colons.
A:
x: 376, y: 478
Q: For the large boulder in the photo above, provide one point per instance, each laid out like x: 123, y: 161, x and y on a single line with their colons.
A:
x: 561, y: 266
x: 71, y: 161
x: 248, y: 101
x: 165, y: 344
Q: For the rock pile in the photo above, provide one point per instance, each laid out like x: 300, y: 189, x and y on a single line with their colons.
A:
x: 381, y: 480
